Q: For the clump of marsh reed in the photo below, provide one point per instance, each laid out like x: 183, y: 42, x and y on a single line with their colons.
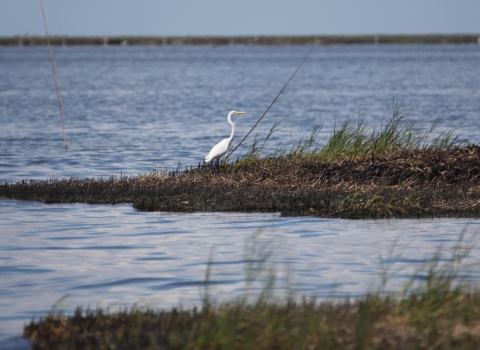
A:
x: 434, y: 310
x: 353, y: 140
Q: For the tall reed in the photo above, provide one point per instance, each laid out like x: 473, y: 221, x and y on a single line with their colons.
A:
x: 352, y: 139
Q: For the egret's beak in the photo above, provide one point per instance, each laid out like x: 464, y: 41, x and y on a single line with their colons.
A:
x: 239, y: 112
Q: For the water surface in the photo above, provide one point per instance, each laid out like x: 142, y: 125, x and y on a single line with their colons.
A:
x: 112, y: 256
x: 132, y: 109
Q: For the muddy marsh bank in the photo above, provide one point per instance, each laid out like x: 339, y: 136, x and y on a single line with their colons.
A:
x: 416, y: 183
x: 400, y: 170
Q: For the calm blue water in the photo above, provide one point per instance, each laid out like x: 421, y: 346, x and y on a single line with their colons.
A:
x: 133, y: 109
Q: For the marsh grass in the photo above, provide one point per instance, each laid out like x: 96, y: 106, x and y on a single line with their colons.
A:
x: 353, y: 140
x: 435, y: 309
x: 401, y: 170
x: 406, y: 184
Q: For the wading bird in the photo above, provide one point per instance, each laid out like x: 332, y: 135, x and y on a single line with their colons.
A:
x: 222, y: 147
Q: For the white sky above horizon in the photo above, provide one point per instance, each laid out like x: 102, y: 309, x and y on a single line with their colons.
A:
x: 246, y: 17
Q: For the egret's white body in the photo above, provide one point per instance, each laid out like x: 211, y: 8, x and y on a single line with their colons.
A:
x: 222, y: 147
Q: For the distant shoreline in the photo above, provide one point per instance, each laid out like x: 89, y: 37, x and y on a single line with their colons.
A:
x: 241, y: 40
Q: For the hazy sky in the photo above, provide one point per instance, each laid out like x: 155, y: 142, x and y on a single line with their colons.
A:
x: 250, y: 17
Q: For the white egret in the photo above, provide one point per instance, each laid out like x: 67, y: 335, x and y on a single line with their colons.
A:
x: 222, y: 147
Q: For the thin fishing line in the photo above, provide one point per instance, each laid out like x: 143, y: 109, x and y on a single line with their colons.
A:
x: 54, y: 78
x: 271, y: 104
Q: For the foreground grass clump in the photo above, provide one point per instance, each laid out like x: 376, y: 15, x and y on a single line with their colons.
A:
x: 434, y: 319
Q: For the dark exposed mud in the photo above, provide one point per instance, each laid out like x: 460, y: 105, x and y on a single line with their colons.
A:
x: 425, y: 183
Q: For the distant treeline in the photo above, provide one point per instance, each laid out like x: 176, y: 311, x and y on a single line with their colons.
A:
x: 242, y: 40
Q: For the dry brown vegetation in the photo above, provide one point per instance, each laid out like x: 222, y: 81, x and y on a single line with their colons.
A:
x: 414, y: 183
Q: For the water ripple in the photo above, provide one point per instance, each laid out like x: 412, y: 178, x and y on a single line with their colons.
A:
x: 130, y: 111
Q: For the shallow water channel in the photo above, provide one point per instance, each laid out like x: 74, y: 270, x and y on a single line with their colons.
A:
x: 113, y: 256
x: 130, y: 110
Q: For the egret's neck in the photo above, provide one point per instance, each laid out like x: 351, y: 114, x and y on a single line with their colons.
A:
x: 230, y: 139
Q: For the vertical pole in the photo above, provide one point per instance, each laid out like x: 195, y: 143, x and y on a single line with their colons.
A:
x: 54, y: 78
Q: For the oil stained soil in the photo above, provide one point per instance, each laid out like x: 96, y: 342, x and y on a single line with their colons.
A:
x: 420, y: 183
